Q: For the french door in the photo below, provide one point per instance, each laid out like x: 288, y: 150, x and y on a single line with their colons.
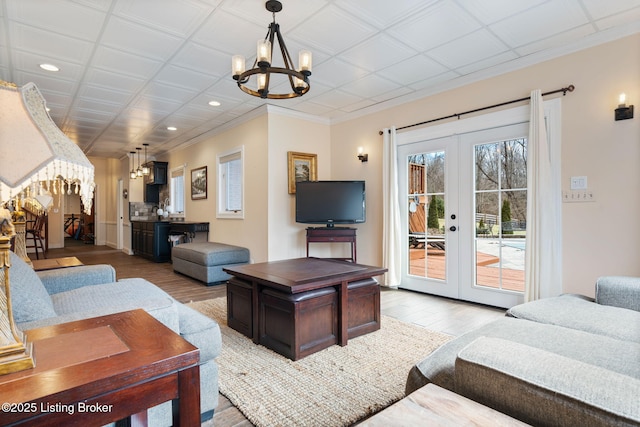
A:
x: 463, y: 203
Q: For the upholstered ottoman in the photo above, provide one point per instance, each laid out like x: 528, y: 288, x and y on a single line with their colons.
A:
x: 364, y: 307
x: 297, y: 325
x: 204, y: 261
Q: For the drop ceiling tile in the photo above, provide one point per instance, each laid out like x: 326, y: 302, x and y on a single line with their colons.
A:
x: 313, y: 108
x: 121, y: 82
x: 184, y: 78
x: 292, y: 14
x: 124, y: 35
x: 178, y: 17
x: 492, y: 11
x: 468, y: 49
x: 599, y: 9
x: 555, y: 17
x: 29, y: 62
x: 629, y: 18
x: 121, y: 62
x: 434, y: 81
x: 412, y: 70
x: 370, y: 86
x: 436, y: 25
x: 105, y: 94
x: 369, y: 54
x: 383, y: 13
x: 46, y: 84
x: 486, y: 63
x: 316, y: 31
x: 204, y: 60
x: 358, y: 106
x: 62, y: 17
x: 396, y: 93
x: 156, y: 89
x: 229, y: 33
x: 556, y: 40
x: 50, y: 45
x: 336, y: 99
x: 335, y: 73
x: 159, y: 106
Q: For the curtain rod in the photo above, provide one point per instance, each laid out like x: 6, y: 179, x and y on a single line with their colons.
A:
x: 564, y: 91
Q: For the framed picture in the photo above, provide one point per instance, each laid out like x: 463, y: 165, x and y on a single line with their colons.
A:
x: 302, y: 167
x: 199, y: 183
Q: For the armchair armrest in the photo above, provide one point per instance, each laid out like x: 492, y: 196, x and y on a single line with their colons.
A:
x: 619, y: 291
x: 66, y: 279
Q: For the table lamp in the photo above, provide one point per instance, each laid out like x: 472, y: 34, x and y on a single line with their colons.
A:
x: 38, y: 158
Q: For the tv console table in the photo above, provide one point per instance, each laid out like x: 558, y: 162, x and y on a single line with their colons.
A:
x: 332, y: 235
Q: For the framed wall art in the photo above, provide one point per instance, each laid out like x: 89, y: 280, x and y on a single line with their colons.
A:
x: 199, y: 183
x: 302, y: 167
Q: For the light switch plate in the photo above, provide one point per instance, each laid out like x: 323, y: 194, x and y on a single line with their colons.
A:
x: 579, y: 183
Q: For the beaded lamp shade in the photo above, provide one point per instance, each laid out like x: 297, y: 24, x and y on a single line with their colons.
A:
x: 36, y: 155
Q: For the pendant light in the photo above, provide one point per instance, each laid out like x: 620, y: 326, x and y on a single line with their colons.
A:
x: 265, y: 71
x: 139, y: 170
x: 132, y: 174
x: 145, y: 166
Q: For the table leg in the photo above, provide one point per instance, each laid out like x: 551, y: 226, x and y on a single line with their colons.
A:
x: 343, y: 314
x: 255, y: 311
x: 187, y: 409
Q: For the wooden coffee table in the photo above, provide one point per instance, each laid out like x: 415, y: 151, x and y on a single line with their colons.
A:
x: 299, y: 275
x: 100, y: 370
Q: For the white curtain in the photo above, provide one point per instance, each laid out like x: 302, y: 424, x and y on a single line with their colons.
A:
x: 542, y: 268
x: 391, y: 247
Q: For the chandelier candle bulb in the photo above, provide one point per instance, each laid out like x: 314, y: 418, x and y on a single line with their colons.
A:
x: 237, y: 65
x: 305, y: 62
x: 264, y: 53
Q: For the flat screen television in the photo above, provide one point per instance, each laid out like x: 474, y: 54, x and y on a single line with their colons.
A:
x: 330, y: 202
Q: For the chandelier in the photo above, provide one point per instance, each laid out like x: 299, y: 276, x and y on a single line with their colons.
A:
x: 264, y: 71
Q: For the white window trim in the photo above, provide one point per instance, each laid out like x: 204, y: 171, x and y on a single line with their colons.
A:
x: 184, y: 191
x: 220, y: 213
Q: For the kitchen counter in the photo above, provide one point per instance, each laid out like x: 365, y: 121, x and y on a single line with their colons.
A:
x: 150, y: 237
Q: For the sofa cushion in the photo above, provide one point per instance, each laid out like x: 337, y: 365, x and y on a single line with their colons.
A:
x: 609, y: 353
x: 619, y: 291
x: 575, y: 312
x: 543, y: 388
x: 128, y: 294
x: 29, y: 298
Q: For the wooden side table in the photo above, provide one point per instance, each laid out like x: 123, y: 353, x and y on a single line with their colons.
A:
x: 333, y: 235
x: 435, y: 406
x: 96, y: 371
x: 53, y: 263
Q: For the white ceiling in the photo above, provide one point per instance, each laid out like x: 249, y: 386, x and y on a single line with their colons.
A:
x: 130, y: 68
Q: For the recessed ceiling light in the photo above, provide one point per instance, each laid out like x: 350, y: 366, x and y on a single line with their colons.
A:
x: 172, y: 128
x: 49, y: 67
x: 214, y: 103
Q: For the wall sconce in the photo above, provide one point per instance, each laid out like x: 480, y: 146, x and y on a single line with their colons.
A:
x: 624, y: 111
x: 362, y: 156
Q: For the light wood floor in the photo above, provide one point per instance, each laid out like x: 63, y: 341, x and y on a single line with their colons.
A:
x: 435, y: 313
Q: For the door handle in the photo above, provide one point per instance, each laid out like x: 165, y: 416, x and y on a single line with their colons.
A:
x: 453, y: 228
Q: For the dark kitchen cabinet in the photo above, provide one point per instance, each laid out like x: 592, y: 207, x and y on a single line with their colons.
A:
x: 157, y: 173
x: 150, y: 239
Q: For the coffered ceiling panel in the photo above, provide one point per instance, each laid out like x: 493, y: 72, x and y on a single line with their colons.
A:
x: 130, y: 68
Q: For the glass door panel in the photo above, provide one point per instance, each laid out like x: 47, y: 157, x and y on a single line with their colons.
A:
x: 426, y: 198
x: 500, y: 214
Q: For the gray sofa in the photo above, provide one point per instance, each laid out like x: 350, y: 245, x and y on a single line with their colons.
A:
x: 562, y: 361
x: 66, y: 294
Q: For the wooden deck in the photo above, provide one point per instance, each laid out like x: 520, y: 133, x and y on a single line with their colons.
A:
x: 486, y: 274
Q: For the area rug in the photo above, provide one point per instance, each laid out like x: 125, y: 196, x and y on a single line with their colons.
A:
x: 334, y: 387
